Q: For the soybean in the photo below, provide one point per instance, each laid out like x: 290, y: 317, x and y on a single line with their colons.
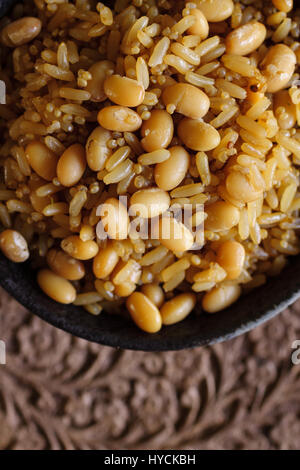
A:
x: 21, y: 31
x: 150, y: 202
x: 71, y: 165
x: 220, y: 297
x: 240, y: 188
x: 200, y: 27
x: 170, y: 173
x: 284, y: 110
x: 105, y: 262
x: 221, y: 216
x: 278, y: 67
x: 119, y: 118
x: 157, y: 132
x: 144, y: 313
x: 174, y: 235
x: 115, y: 219
x: 187, y: 99
x: 178, y: 308
x: 14, y: 246
x: 97, y: 150
x: 78, y: 249
x: 99, y: 72
x: 231, y: 256
x: 245, y: 39
x: 283, y: 5
x: 124, y: 91
x: 56, y: 287
x: 215, y: 10
x: 155, y: 293
x: 198, y: 135
x: 42, y: 160
x: 65, y: 265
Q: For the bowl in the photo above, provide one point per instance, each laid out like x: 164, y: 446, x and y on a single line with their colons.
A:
x: 198, y: 329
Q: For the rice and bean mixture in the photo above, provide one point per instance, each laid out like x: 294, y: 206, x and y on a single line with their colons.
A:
x: 166, y: 103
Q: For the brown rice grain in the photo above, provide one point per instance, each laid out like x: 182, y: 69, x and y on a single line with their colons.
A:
x: 157, y: 156
x: 119, y: 172
x: 58, y: 73
x: 153, y: 256
x: 74, y: 94
x: 174, y: 282
x: 87, y: 298
x: 175, y: 268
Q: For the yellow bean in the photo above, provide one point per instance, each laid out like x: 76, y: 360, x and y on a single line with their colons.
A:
x: 187, y: 99
x: 245, y: 39
x: 71, y: 165
x: 284, y: 109
x: 278, y: 67
x: 198, y: 135
x: 178, y: 308
x: 115, y: 219
x: 119, y: 118
x: 65, y: 266
x: 170, y: 173
x: 240, y: 188
x: 144, y: 313
x: 14, y: 246
x: 56, y: 287
x: 155, y: 293
x: 231, y: 256
x: 105, y: 262
x: 124, y: 91
x: 215, y: 10
x: 21, y: 31
x: 157, y: 131
x: 150, y: 202
x: 220, y: 297
x: 221, y: 216
x: 79, y: 249
x: 174, y: 235
x: 283, y: 5
x: 200, y: 27
x: 42, y: 160
x: 86, y: 232
x: 97, y: 151
x: 95, y: 86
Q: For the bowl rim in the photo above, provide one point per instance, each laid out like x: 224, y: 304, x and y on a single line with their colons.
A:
x: 115, y: 331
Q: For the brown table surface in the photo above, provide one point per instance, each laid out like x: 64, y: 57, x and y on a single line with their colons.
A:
x: 60, y: 392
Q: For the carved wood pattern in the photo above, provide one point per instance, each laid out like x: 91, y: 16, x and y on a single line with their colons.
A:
x: 60, y: 392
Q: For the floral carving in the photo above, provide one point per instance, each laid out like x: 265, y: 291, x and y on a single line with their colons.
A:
x: 60, y: 392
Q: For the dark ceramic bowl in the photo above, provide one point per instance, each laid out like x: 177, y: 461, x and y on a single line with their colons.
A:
x: 197, y: 330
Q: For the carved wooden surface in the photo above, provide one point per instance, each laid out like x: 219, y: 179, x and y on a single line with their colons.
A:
x: 59, y: 392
